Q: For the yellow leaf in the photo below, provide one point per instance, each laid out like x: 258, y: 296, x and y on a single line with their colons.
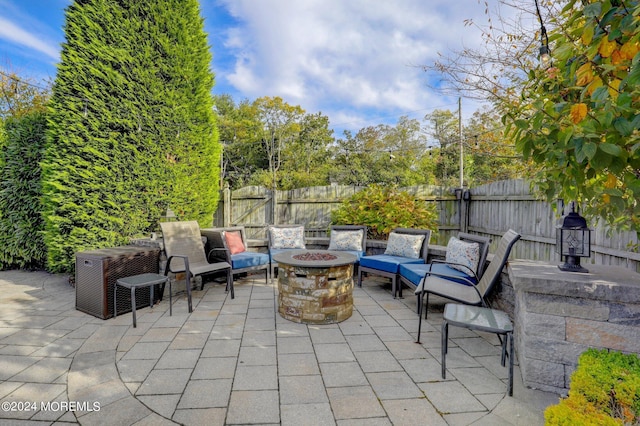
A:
x: 584, y: 74
x: 606, y: 47
x: 578, y: 112
x: 611, y: 182
x: 613, y: 88
x: 587, y: 35
x: 606, y: 198
x: 630, y: 49
x: 597, y: 82
x: 617, y: 57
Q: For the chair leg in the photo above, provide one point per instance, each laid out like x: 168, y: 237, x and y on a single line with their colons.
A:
x: 504, y: 350
x: 421, y: 295
x: 394, y: 287
x: 133, y: 305
x: 445, y: 341
x: 170, y: 303
x: 425, y: 306
x: 188, y: 282
x: 359, y: 278
x: 230, y: 283
x: 166, y: 274
x: 509, y: 336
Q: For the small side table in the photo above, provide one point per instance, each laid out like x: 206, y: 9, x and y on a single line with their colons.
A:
x: 481, y: 319
x: 134, y: 282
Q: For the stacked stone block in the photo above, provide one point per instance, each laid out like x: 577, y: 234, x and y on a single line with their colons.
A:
x: 559, y: 315
x: 315, y: 295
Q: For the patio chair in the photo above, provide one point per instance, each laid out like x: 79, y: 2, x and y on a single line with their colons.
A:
x: 464, y: 290
x: 230, y: 245
x: 349, y: 238
x: 185, y: 253
x: 283, y: 237
x: 473, y: 246
x: 405, y: 245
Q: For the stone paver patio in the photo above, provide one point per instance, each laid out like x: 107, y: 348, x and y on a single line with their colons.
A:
x: 238, y: 362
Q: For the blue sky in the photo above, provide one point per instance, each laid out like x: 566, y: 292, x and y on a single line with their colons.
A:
x: 355, y: 61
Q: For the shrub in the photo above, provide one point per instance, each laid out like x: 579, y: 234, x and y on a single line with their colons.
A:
x: 21, y: 224
x: 384, y: 208
x: 131, y: 126
x: 604, y: 390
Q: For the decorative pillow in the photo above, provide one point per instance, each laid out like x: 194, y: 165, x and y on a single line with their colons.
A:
x: 405, y: 245
x: 287, y: 238
x: 234, y: 241
x: 463, y: 253
x: 346, y: 240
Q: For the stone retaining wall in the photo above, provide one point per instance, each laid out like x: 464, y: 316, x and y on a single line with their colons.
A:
x: 558, y: 315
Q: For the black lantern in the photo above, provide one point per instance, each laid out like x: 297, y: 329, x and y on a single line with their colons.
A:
x: 573, y: 241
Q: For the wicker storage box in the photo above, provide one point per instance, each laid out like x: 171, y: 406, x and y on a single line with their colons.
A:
x: 98, y: 270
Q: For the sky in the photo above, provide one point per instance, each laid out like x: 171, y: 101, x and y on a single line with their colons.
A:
x: 355, y: 61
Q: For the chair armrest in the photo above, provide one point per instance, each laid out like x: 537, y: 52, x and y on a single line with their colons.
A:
x: 219, y: 254
x: 186, y: 262
x: 444, y: 262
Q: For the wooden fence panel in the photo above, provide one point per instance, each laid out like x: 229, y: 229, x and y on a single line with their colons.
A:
x: 491, y: 210
x: 312, y: 206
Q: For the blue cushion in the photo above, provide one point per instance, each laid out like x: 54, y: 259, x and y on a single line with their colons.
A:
x: 415, y: 272
x: 383, y: 262
x: 247, y: 259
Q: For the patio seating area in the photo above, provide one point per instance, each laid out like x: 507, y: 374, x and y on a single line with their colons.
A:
x: 236, y: 361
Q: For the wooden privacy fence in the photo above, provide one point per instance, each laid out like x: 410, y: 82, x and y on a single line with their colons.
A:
x: 487, y: 210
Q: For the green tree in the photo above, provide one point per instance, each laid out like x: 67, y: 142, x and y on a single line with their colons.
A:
x: 281, y: 125
x: 19, y: 96
x: 491, y: 158
x: 240, y: 135
x: 578, y: 120
x: 444, y: 127
x: 21, y: 224
x: 132, y: 127
x: 307, y: 160
x: 382, y: 154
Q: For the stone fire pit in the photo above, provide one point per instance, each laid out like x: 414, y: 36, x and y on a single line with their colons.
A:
x: 315, y: 286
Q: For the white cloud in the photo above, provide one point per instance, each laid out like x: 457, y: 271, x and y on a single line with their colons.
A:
x: 340, y: 56
x: 15, y: 34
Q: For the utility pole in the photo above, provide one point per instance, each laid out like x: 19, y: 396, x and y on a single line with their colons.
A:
x: 461, y: 146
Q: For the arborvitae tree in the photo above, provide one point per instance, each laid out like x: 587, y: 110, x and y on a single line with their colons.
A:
x: 22, y: 141
x: 132, y: 129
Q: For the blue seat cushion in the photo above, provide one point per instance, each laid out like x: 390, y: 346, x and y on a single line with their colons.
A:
x: 247, y: 259
x: 383, y: 262
x: 416, y: 272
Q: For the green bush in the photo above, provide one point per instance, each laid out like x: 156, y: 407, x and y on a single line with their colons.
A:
x: 21, y: 224
x: 384, y: 208
x: 131, y: 126
x: 604, y: 390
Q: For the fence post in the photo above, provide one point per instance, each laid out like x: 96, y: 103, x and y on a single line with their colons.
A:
x: 226, y: 214
x: 464, y: 210
x: 274, y: 206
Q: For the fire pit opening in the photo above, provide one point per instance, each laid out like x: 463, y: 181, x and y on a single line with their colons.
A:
x: 314, y: 256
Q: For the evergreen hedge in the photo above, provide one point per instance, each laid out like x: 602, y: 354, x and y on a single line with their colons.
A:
x: 131, y: 128
x: 21, y: 224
